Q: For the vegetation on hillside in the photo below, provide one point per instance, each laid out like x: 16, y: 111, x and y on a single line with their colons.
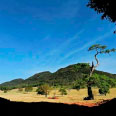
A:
x: 67, y: 76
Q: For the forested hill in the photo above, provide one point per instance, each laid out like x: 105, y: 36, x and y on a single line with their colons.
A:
x: 64, y: 76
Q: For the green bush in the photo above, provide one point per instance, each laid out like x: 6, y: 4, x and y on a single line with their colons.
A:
x: 43, y: 90
x: 63, y: 91
x: 104, y: 88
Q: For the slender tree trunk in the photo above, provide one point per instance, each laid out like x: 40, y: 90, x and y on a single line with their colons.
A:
x: 89, y: 86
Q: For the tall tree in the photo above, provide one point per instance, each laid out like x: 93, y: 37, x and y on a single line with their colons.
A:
x: 106, y: 7
x: 99, y: 49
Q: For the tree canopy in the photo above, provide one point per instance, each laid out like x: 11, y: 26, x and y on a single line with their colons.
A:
x: 106, y: 7
x: 100, y: 49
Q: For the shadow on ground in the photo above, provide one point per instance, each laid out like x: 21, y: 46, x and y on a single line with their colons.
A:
x: 53, y: 109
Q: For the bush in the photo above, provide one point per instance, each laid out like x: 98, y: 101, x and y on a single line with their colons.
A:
x: 43, y: 90
x: 28, y: 89
x: 20, y: 89
x: 4, y: 88
x: 63, y: 91
x: 104, y: 88
x: 5, y: 91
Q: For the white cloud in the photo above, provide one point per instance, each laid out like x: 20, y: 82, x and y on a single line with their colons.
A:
x: 94, y: 40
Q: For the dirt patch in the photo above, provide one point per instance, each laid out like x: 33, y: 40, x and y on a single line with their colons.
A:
x: 90, y: 104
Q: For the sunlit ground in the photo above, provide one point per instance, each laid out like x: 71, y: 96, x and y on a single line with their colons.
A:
x: 73, y: 96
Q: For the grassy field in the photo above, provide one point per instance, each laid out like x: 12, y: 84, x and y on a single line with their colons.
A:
x: 73, y: 96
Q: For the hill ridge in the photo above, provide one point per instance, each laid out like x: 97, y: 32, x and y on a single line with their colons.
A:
x: 69, y: 73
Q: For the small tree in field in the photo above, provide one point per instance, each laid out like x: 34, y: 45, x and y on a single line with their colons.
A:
x: 63, y: 91
x: 99, y: 49
x: 43, y: 90
x: 104, y: 89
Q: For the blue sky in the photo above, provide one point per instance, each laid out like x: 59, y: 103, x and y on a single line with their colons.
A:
x: 45, y: 35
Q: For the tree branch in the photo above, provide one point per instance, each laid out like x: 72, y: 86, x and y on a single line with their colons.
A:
x: 93, y: 67
x: 96, y: 59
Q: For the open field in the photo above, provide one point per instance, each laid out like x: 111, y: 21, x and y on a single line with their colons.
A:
x: 73, y: 96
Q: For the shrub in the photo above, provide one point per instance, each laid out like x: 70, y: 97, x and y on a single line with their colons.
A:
x: 63, y: 91
x: 5, y: 91
x: 104, y: 88
x: 43, y: 90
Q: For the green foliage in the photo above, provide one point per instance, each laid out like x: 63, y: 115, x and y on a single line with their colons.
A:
x: 99, y: 79
x: 43, y: 89
x: 79, y: 84
x: 5, y: 89
x: 104, y: 88
x: 63, y: 91
x: 103, y: 82
x: 101, y: 49
x: 63, y: 77
x: 97, y: 46
x: 28, y: 89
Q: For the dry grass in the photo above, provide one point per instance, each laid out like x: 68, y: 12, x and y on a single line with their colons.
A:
x: 72, y: 97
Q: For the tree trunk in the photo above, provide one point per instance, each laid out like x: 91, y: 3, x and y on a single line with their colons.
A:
x: 89, y: 84
x: 90, y: 93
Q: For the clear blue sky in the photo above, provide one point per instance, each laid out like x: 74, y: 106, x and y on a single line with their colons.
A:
x: 45, y: 35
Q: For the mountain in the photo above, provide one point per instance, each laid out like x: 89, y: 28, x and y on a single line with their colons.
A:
x: 13, y: 82
x: 63, y: 76
x: 39, y: 76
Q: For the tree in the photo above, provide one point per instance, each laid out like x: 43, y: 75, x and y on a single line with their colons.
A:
x: 99, y: 49
x: 5, y: 89
x: 106, y: 7
x: 104, y: 87
x: 43, y: 90
x: 63, y: 91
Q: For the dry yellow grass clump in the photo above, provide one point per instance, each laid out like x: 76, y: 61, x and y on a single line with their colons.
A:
x: 73, y: 96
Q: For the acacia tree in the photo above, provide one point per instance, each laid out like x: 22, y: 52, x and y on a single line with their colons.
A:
x: 106, y: 7
x: 99, y: 49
